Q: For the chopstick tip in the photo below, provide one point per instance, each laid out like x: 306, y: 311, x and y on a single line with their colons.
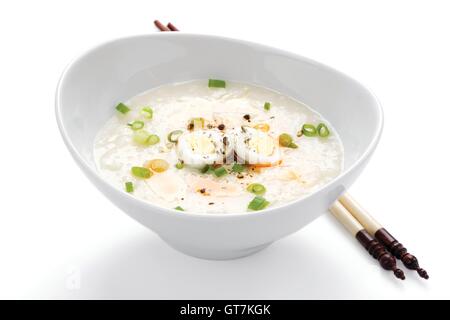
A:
x: 172, y: 27
x: 422, y: 273
x: 160, y: 26
x: 399, y: 274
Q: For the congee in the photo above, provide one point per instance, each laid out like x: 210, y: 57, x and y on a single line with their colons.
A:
x: 217, y: 147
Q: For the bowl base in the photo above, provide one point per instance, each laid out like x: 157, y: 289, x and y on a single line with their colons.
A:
x: 214, y: 254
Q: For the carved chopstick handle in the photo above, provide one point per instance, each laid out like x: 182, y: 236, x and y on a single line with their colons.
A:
x: 375, y: 248
x: 400, y: 252
x: 379, y: 252
x: 381, y: 234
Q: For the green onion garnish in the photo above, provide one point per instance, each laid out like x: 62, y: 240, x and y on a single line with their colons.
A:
x: 237, y: 167
x: 179, y: 208
x: 207, y: 169
x: 179, y: 165
x: 258, y: 203
x: 267, y: 106
x: 147, y: 112
x: 257, y: 189
x: 141, y: 137
x: 322, y: 130
x: 309, y: 130
x: 220, y: 171
x: 286, y: 140
x: 174, y: 135
x: 215, y: 83
x: 144, y: 138
x: 136, y: 125
x: 122, y: 108
x: 153, y: 139
x: 129, y: 187
x: 141, y: 172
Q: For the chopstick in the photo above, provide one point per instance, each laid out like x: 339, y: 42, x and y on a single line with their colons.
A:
x: 381, y: 234
x: 160, y: 26
x: 375, y: 239
x: 172, y: 27
x: 372, y: 245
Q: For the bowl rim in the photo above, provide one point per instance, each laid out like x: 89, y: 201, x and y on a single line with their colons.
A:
x: 159, y: 209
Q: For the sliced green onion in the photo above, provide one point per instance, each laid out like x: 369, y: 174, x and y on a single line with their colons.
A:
x: 215, y: 83
x: 309, y: 130
x: 258, y: 203
x: 141, y: 172
x: 144, y: 138
x: 179, y: 208
x: 179, y: 165
x: 285, y: 140
x: 147, y: 112
x: 323, y: 130
x: 207, y: 169
x: 129, y: 187
x: 220, y: 171
x: 141, y: 137
x: 136, y: 125
x: 237, y: 167
x: 257, y: 189
x: 122, y: 108
x: 174, y: 135
x: 153, y: 139
x: 267, y: 106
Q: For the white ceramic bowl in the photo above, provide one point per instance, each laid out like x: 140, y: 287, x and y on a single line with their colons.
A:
x: 92, y: 85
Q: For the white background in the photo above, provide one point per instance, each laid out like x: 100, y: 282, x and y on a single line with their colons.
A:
x: 60, y: 238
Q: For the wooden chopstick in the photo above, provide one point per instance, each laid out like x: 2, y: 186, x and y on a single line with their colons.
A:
x: 362, y: 225
x: 172, y: 27
x: 373, y: 246
x: 160, y: 26
x: 381, y: 234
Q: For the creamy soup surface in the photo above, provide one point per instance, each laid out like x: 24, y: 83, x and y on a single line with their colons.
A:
x: 200, y: 147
